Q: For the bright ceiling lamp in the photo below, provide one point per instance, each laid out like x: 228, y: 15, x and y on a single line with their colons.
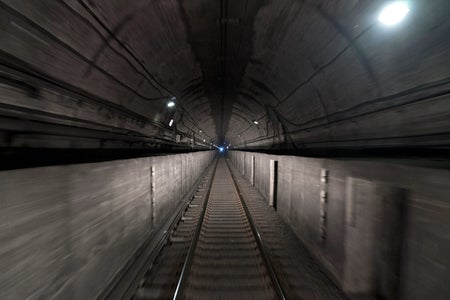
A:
x: 255, y: 122
x: 171, y: 123
x: 393, y: 13
x: 171, y: 102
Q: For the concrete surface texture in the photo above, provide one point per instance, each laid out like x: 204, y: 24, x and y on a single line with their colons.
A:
x: 65, y: 231
x: 288, y: 76
x: 300, y: 274
x: 385, y: 225
x: 314, y: 74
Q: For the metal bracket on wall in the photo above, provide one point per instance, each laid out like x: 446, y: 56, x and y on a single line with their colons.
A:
x: 323, y: 203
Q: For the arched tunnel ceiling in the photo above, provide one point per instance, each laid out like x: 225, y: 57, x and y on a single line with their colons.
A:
x: 312, y: 73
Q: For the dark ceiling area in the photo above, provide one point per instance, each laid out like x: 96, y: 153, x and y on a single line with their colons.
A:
x: 263, y: 75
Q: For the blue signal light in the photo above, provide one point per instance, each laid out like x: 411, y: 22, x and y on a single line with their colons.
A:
x: 221, y: 149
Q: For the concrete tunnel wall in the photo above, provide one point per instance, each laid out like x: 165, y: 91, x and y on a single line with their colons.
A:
x: 377, y: 215
x: 66, y: 231
x: 315, y: 74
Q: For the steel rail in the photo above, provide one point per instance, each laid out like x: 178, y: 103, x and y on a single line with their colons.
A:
x: 187, y: 262
x: 117, y: 289
x: 272, y: 274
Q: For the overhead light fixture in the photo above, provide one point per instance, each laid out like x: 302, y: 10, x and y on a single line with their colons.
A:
x: 200, y: 131
x: 204, y: 140
x: 170, y: 104
x: 221, y: 149
x: 393, y: 13
x: 171, y: 122
x: 255, y: 122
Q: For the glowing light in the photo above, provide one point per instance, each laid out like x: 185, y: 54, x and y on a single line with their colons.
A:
x: 170, y: 104
x: 220, y: 149
x: 171, y: 123
x: 393, y: 13
x: 204, y: 140
x: 255, y: 122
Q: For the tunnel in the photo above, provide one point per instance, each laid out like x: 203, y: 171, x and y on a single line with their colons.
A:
x: 225, y: 149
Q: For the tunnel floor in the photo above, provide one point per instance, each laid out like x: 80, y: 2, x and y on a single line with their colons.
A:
x: 231, y: 245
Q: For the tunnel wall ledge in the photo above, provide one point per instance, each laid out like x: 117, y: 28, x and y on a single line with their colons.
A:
x: 66, y: 231
x: 377, y: 228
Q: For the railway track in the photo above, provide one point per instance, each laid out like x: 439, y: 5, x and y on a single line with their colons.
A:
x: 215, y: 252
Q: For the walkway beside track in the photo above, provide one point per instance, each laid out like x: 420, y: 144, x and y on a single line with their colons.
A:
x: 300, y: 274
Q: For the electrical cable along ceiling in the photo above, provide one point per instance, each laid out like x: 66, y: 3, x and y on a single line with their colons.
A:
x: 279, y: 74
